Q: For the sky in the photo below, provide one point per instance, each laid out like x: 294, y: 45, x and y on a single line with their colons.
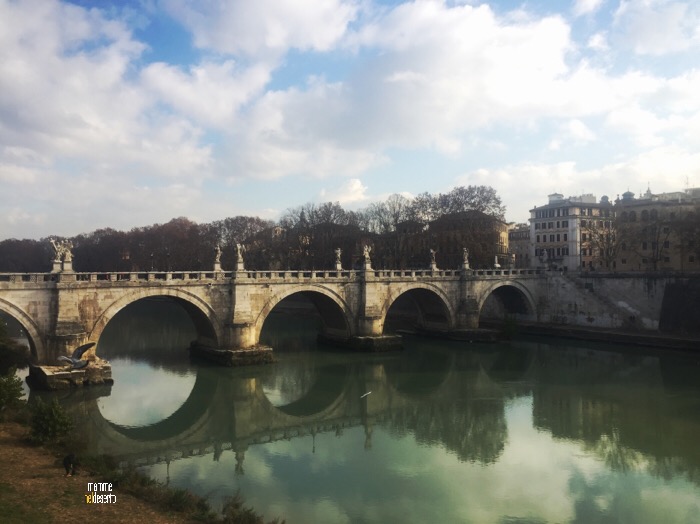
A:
x: 129, y: 113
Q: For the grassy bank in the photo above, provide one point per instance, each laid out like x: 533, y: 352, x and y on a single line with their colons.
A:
x: 34, y: 488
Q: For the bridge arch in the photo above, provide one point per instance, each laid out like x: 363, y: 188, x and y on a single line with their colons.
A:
x: 335, y: 313
x: 434, y: 307
x: 36, y: 340
x: 203, y: 316
x: 507, y: 297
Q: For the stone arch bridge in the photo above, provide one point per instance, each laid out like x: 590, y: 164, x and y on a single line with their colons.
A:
x: 228, y: 308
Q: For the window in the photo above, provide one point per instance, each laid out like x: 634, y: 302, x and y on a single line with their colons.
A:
x: 537, y: 239
x: 583, y: 223
x: 667, y: 259
x: 623, y: 261
x: 564, y: 223
x: 667, y: 244
x: 551, y: 238
x: 558, y: 237
x: 558, y: 224
x: 691, y: 258
x: 644, y: 245
x: 583, y: 237
x: 565, y: 237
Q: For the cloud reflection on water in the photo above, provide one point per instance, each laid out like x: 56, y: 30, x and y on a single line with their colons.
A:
x: 141, y: 396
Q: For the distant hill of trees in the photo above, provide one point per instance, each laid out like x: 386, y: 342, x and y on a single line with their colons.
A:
x: 305, y: 237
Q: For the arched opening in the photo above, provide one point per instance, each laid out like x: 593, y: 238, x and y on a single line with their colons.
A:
x: 420, y: 309
x: 22, y: 330
x: 294, y: 322
x: 156, y: 329
x: 506, y: 302
x: 15, y: 332
x: 299, y: 384
x: 146, y: 344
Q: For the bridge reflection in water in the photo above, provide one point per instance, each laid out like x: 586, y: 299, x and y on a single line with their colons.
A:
x: 448, y: 433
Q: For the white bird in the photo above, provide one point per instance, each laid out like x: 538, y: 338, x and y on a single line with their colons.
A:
x: 75, y: 359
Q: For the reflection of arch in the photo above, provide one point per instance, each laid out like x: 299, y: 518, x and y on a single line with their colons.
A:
x: 203, y: 316
x: 421, y: 374
x: 185, y: 419
x: 334, y: 312
x: 36, y: 341
x: 510, y: 297
x: 433, y: 304
x: 509, y: 364
x: 323, y: 394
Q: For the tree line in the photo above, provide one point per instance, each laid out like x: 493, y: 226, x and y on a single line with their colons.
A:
x: 305, y: 237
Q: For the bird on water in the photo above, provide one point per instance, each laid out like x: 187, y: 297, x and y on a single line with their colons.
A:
x: 75, y: 360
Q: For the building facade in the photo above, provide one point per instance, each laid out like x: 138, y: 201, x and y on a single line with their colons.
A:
x: 655, y: 232
x: 519, y: 244
x: 559, y: 236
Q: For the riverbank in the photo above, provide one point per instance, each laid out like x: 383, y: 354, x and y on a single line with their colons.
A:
x: 34, y: 488
x: 613, y: 336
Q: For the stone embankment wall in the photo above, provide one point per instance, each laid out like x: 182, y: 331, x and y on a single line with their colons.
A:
x: 634, y: 302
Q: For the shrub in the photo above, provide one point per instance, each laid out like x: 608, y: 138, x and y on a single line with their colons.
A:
x: 49, y: 422
x: 10, y: 390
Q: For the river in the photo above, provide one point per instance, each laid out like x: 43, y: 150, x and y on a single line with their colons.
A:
x: 524, y: 431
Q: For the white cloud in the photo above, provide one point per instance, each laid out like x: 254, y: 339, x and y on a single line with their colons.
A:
x: 265, y: 28
x: 598, y: 42
x: 586, y: 7
x: 81, y: 108
x: 658, y: 27
x: 210, y: 93
x: 526, y: 185
x: 351, y: 192
x: 579, y: 131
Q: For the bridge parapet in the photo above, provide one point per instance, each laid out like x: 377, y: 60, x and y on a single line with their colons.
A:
x: 293, y: 276
x: 28, y: 277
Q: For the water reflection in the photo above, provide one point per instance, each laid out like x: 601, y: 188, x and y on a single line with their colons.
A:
x: 146, y: 345
x: 520, y: 432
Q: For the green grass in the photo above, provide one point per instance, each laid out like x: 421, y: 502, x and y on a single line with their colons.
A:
x: 14, y: 511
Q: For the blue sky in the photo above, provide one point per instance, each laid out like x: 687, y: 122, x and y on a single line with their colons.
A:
x: 129, y: 113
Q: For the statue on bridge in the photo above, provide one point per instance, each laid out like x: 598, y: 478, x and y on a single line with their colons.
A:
x: 366, y: 250
x: 465, y: 258
x: 433, y: 264
x: 338, y: 263
x: 240, y: 249
x: 217, y: 258
x: 62, y: 254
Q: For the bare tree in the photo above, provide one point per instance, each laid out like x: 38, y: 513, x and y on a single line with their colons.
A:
x: 604, y: 239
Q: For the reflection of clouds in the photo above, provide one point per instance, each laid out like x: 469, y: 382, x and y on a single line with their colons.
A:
x: 143, y: 395
x: 537, y: 478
